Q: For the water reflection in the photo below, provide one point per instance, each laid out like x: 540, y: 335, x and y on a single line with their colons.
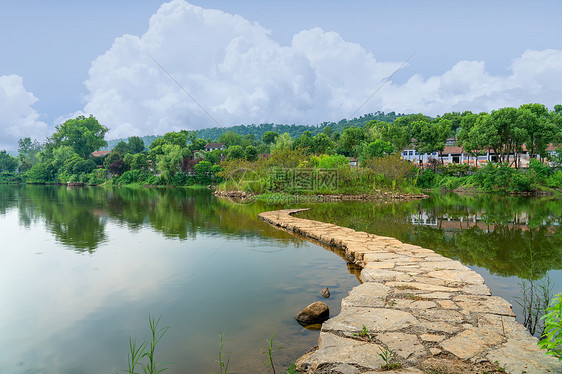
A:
x: 77, y: 217
x: 509, y: 236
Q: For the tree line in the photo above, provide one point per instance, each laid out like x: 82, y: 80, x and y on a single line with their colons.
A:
x: 179, y: 158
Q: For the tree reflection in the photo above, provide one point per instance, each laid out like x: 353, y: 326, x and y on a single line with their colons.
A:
x: 78, y: 217
x: 509, y: 236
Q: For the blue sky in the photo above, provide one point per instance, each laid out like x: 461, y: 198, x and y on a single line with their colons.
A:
x: 306, y: 61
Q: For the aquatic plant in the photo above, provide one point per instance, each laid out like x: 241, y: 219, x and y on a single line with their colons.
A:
x: 551, y: 339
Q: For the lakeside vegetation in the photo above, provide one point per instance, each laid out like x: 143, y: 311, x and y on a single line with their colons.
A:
x: 363, y: 155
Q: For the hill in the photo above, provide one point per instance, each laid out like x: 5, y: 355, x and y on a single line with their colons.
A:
x: 295, y: 131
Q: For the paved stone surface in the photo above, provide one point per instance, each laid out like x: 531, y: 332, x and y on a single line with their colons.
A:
x: 431, y: 312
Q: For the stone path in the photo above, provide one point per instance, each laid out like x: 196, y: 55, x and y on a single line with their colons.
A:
x: 435, y: 314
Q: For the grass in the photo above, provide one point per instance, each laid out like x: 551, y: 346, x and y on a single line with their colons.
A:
x: 365, y: 333
x: 147, y: 351
x: 387, y: 355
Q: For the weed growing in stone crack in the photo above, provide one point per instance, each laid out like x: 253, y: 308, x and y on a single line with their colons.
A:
x: 387, y: 355
x: 364, y: 333
x: 498, y: 367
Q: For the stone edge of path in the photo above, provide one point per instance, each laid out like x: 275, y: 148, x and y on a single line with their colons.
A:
x: 435, y: 314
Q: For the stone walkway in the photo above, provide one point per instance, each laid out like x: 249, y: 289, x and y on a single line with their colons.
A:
x: 435, y: 314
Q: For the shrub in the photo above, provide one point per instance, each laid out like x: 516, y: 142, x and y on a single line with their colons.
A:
x: 520, y: 182
x: 426, y: 179
x: 555, y: 180
x: 452, y: 183
x: 539, y: 171
x: 552, y: 337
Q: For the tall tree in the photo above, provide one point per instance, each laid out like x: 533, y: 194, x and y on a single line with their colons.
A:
x: 84, y: 135
x: 8, y: 163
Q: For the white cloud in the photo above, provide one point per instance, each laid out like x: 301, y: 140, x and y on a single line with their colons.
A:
x: 239, y: 74
x: 536, y: 77
x: 18, y: 119
x: 234, y: 70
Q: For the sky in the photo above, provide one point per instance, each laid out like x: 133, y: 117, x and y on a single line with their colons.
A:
x: 145, y: 67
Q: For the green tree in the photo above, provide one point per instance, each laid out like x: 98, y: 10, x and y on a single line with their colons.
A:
x: 28, y: 152
x: 8, y: 163
x: 378, y: 148
x: 203, y: 172
x: 283, y: 141
x: 122, y: 148
x: 323, y: 144
x: 235, y: 152
x: 136, y: 144
x: 350, y: 141
x: 230, y: 138
x: 251, y: 153
x: 169, y: 162
x: 84, y: 135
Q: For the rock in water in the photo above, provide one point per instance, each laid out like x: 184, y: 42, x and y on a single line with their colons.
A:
x: 325, y: 292
x: 317, y: 312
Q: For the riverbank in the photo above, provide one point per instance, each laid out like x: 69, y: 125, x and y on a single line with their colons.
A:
x: 272, y: 197
x: 432, y: 312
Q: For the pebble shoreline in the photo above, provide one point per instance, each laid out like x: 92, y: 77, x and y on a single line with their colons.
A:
x: 435, y: 314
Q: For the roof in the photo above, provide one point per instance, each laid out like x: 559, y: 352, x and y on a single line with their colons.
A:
x: 215, y: 145
x: 453, y: 149
x: 100, y: 153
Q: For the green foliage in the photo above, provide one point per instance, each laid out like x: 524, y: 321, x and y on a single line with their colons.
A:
x: 146, y: 350
x: 84, y: 135
x: 8, y: 163
x: 351, y: 140
x: 282, y: 142
x: 269, y: 137
x: 426, y: 179
x: 204, y: 172
x: 235, y: 152
x: 28, y: 152
x: 551, y: 340
x: 378, y: 148
x: 555, y: 180
x: 332, y: 162
x: 270, y: 349
x: 223, y: 366
x: 251, y: 153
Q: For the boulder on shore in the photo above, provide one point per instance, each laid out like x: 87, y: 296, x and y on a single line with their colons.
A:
x: 317, y: 312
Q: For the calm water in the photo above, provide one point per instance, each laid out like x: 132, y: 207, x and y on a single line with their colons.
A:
x: 82, y: 269
x: 508, y: 240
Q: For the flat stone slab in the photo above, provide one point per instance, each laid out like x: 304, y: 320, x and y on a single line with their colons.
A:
x: 430, y: 312
x: 352, y: 319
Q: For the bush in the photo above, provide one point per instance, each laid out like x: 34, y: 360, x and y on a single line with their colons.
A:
x: 426, y: 179
x: 552, y: 337
x: 520, y: 182
x: 333, y: 162
x: 451, y: 183
x: 493, y: 178
x: 539, y: 171
x: 555, y: 180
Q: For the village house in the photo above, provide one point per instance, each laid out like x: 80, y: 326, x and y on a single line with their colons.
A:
x: 214, y: 146
x: 454, y: 154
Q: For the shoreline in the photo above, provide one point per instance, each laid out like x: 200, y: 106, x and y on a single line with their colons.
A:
x: 320, y: 197
x: 430, y: 311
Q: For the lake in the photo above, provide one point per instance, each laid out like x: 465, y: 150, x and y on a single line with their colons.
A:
x: 82, y: 269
